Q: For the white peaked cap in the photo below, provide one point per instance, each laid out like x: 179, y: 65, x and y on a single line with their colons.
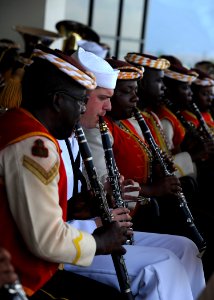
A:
x: 93, y: 47
x: 106, y: 76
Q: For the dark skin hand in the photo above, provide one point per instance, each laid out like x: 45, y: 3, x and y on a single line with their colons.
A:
x: 122, y: 216
x: 202, y: 152
x: 110, y: 238
x: 7, y: 273
x: 165, y: 186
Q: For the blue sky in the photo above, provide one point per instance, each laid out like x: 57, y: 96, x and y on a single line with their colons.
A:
x: 180, y: 27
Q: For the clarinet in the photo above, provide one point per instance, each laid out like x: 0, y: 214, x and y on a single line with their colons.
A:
x: 15, y: 291
x: 113, y: 172
x: 188, y: 125
x: 198, y: 239
x: 205, y: 130
x: 118, y: 260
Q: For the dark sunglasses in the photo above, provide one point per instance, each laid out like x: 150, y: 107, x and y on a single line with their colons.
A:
x: 82, y: 100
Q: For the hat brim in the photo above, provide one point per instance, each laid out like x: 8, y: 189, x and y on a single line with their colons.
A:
x: 38, y: 32
x: 66, y: 26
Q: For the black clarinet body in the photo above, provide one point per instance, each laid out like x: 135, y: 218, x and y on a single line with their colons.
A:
x: 15, y: 291
x: 196, y: 236
x: 204, y: 128
x: 112, y: 169
x: 105, y: 213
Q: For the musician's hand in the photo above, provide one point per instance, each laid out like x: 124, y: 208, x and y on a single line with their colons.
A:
x: 122, y: 216
x: 7, y: 273
x: 168, y: 185
x: 130, y: 190
x: 110, y: 238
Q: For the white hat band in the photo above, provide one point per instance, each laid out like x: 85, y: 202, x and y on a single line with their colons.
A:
x: 204, y: 82
x: 87, y: 80
x: 179, y: 76
x: 160, y: 63
x: 130, y: 73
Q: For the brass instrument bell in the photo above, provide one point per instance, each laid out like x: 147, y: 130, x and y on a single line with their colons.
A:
x: 75, y: 31
x: 32, y: 36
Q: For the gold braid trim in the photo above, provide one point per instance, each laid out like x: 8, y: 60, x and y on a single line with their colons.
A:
x: 45, y: 176
x: 50, y: 296
x: 78, y: 248
x: 159, y: 132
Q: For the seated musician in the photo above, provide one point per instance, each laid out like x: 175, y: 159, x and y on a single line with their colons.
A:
x: 141, y: 256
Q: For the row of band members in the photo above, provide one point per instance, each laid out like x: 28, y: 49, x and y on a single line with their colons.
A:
x: 56, y: 248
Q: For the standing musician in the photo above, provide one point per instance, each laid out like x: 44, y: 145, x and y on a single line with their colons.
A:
x: 33, y: 184
x: 141, y: 258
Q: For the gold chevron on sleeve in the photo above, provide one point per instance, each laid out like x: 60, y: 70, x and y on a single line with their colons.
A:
x: 45, y: 176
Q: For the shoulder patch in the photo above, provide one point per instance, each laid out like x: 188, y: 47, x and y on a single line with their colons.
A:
x: 45, y: 176
x: 39, y: 149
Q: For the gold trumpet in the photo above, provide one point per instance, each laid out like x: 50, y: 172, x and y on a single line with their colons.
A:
x: 73, y: 32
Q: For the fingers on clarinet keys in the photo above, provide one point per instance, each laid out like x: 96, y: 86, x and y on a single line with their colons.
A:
x: 110, y: 238
x: 127, y: 235
x: 112, y: 216
x: 130, y: 236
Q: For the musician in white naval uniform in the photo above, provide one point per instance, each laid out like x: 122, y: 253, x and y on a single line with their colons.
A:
x: 160, y: 267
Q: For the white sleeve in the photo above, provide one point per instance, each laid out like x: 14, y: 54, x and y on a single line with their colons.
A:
x: 183, y: 161
x: 184, y: 165
x: 32, y: 189
x: 169, y: 132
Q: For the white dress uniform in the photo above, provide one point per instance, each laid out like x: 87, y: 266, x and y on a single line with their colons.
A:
x: 35, y: 185
x: 160, y: 266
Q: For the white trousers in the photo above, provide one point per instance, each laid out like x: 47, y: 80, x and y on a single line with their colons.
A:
x: 160, y: 267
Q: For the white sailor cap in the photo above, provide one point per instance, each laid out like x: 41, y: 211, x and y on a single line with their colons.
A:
x: 106, y: 76
x: 93, y: 47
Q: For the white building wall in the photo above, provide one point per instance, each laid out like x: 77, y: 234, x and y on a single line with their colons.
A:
x: 20, y: 12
